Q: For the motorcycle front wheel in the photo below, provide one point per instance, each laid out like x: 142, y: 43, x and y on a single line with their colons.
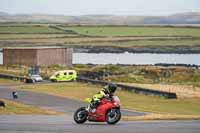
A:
x: 80, y: 116
x: 113, y: 116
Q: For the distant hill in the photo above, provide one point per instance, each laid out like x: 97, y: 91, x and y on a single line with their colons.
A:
x: 3, y: 14
x: 181, y: 18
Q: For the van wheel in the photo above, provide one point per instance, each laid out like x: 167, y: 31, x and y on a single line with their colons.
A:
x: 53, y: 80
x: 33, y: 81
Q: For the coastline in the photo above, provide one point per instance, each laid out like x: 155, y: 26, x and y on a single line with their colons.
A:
x: 153, y: 50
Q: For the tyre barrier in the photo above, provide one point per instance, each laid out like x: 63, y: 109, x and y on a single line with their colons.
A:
x: 168, y: 95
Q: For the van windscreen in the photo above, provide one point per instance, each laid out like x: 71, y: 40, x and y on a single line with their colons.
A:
x: 71, y: 73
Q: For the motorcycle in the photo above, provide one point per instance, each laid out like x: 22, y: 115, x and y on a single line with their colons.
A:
x: 107, y: 111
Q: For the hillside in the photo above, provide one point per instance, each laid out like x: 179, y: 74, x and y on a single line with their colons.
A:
x: 181, y: 18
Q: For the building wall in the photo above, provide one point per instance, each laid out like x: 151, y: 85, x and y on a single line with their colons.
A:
x: 44, y: 56
x: 19, y: 56
x: 54, y: 56
x: 69, y: 56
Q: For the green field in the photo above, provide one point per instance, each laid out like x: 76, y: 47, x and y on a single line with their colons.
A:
x: 33, y: 36
x: 143, y: 42
x: 160, y: 39
x: 135, y: 31
x: 167, y: 42
x: 28, y: 29
x: 103, y: 30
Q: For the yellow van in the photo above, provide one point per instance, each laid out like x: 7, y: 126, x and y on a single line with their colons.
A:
x: 64, y: 75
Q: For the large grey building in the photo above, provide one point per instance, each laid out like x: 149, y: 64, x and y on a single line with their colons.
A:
x: 36, y: 56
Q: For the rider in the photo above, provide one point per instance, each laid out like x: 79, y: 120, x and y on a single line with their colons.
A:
x: 106, y: 92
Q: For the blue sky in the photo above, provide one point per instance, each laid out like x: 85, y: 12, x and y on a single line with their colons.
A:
x: 115, y: 7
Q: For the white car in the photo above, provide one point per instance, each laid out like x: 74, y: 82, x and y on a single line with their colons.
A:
x: 36, y: 78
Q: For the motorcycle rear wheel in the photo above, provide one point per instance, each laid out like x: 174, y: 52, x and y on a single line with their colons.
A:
x: 113, y: 117
x: 80, y: 116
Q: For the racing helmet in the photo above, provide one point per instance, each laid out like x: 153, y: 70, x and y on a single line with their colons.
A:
x: 112, y: 87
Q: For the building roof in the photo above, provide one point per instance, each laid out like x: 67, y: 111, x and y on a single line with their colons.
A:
x: 52, y: 47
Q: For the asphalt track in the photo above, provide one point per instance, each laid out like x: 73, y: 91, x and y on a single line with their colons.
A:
x: 63, y: 124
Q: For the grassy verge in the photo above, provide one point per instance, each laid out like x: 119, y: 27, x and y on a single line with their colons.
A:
x: 162, y: 117
x: 158, y: 105
x: 18, y: 108
x: 7, y: 81
x: 182, y: 91
x: 188, y: 76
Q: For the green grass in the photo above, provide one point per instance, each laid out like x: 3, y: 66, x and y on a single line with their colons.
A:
x: 28, y: 29
x: 13, y: 107
x: 7, y: 81
x: 133, y: 37
x: 160, y: 43
x: 133, y: 43
x: 14, y: 70
x: 130, y: 100
x: 34, y: 36
x: 143, y: 74
x: 135, y: 31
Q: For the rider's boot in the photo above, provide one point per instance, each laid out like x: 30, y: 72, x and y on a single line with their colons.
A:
x: 91, y: 108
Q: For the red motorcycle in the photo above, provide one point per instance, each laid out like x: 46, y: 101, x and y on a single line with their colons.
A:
x: 108, y: 111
